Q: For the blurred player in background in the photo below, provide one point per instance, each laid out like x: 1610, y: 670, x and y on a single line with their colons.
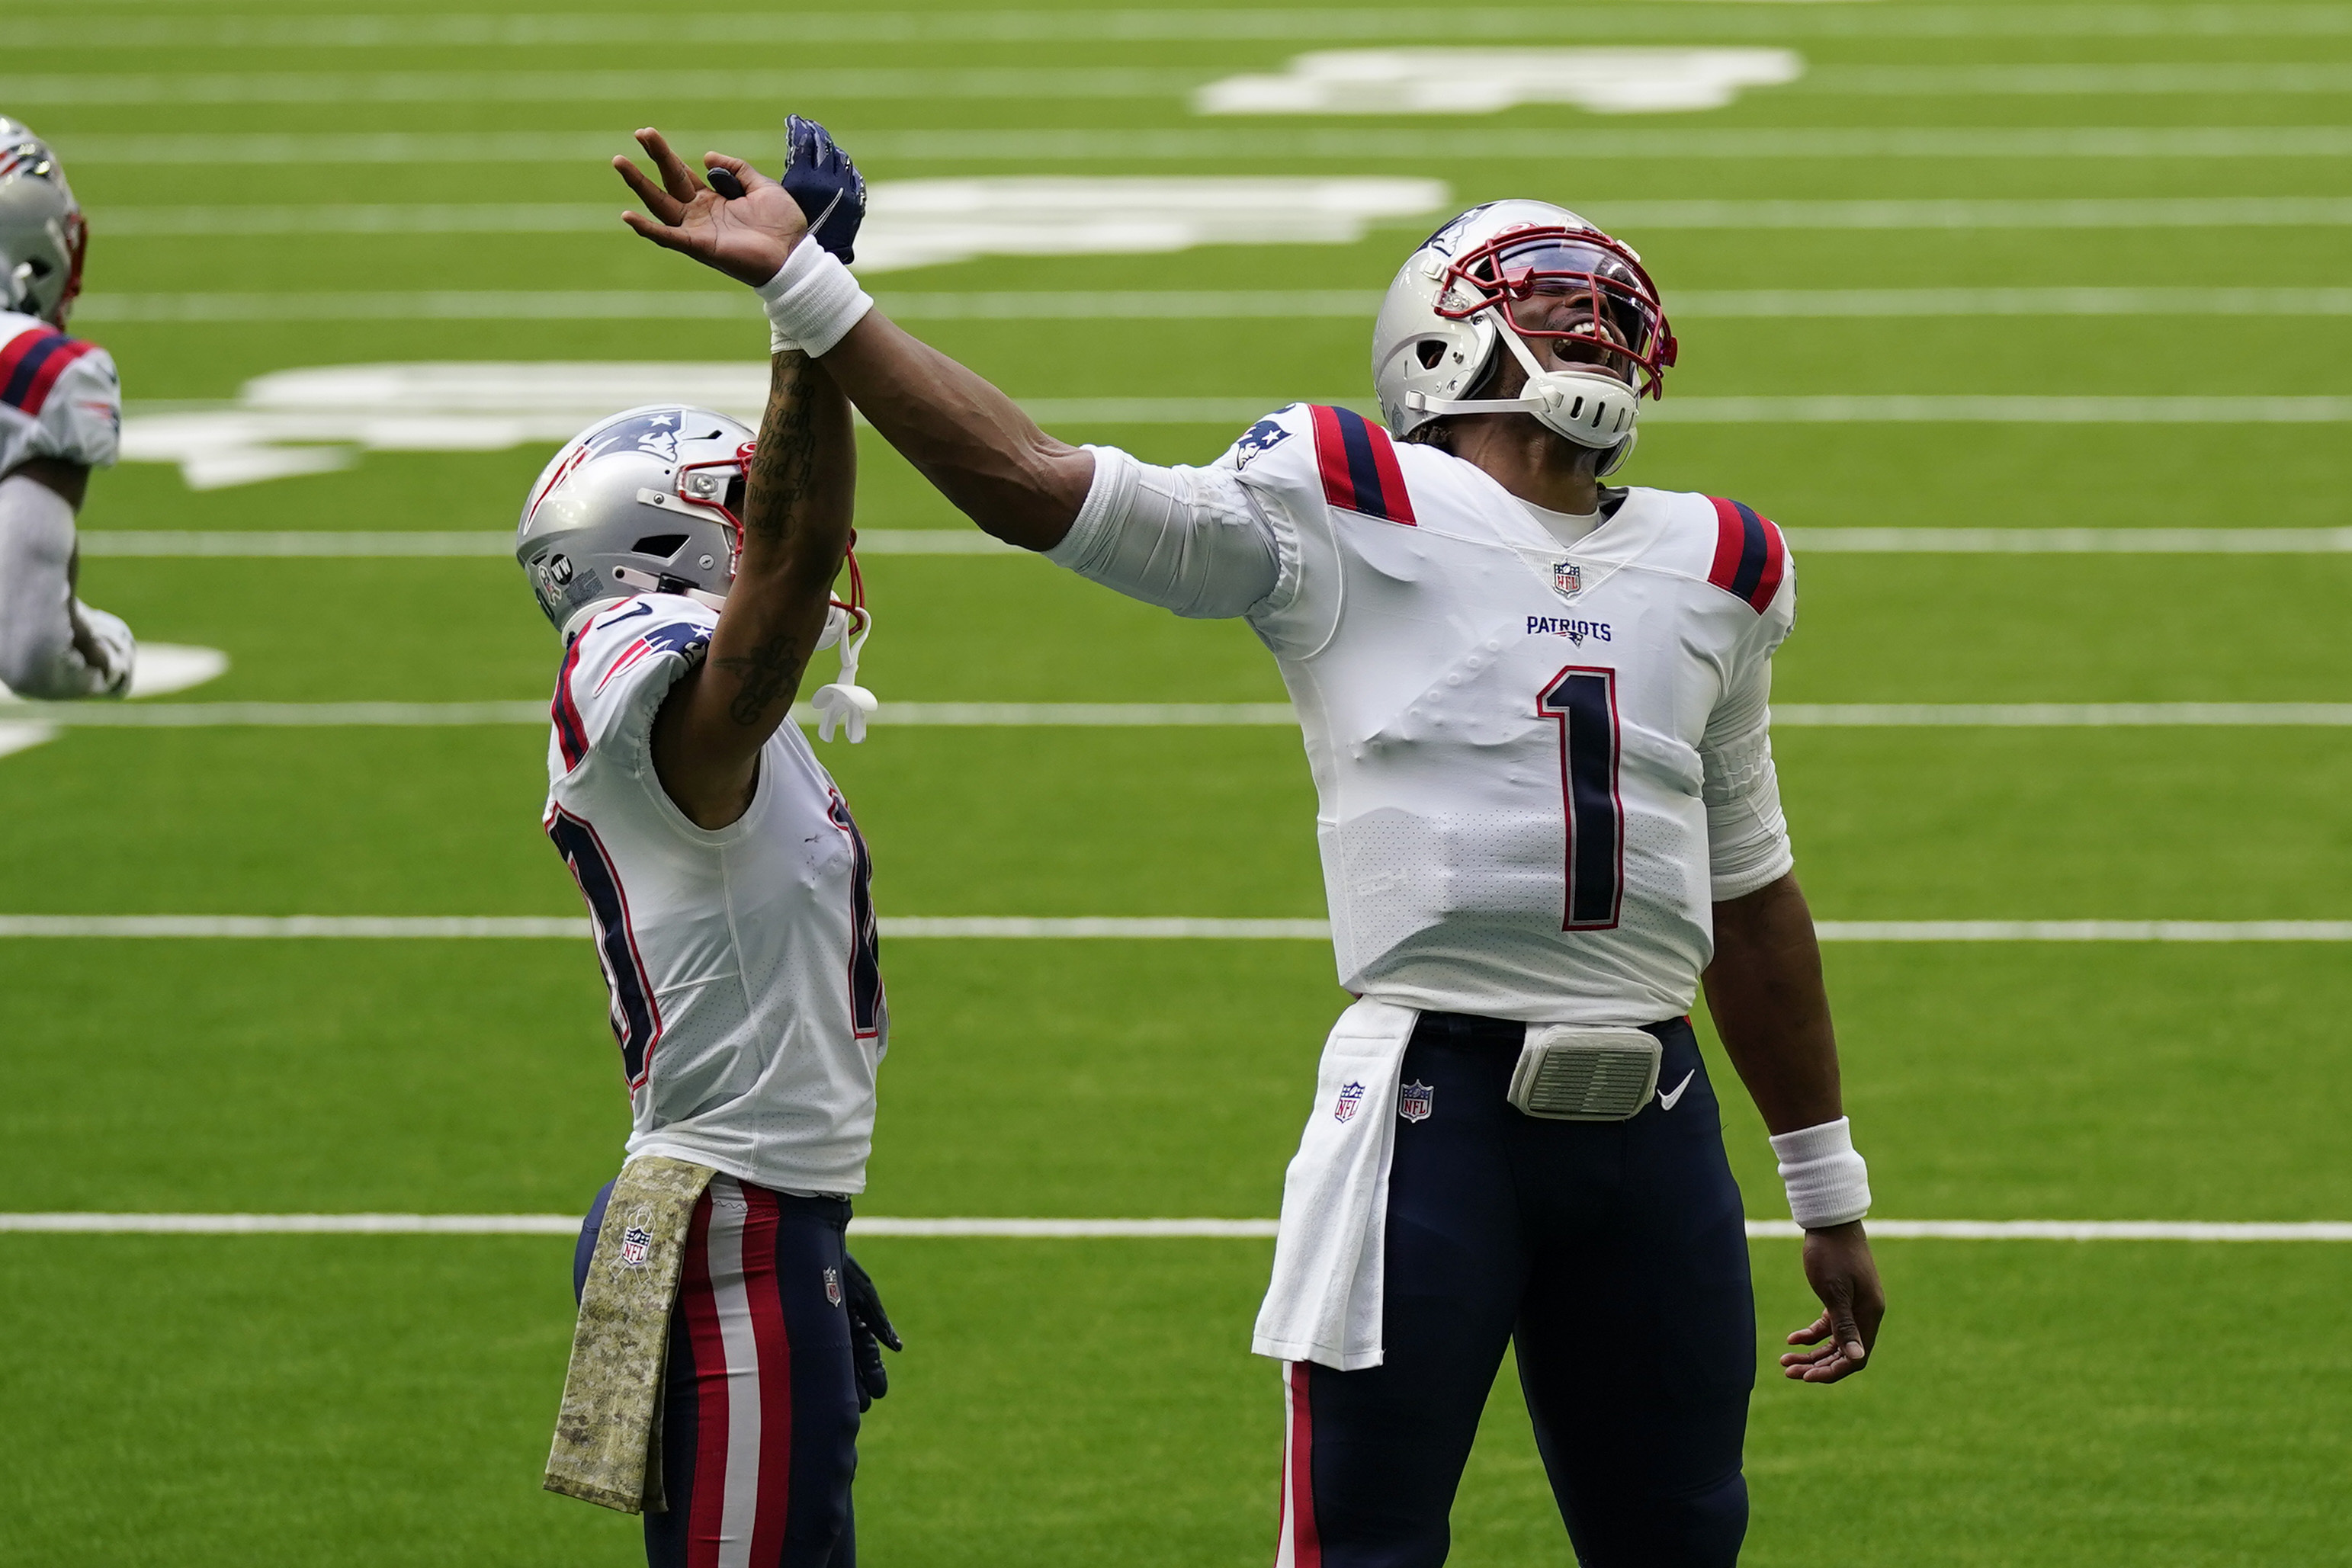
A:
x: 1535, y: 707
x: 689, y: 572
x: 61, y: 416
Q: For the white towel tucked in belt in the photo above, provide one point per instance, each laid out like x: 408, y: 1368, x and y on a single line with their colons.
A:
x: 1324, y: 1304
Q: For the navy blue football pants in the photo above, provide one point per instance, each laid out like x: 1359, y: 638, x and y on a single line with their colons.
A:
x: 758, y: 1433
x: 1612, y: 1255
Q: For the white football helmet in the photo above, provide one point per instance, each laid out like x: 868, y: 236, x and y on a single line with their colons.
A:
x: 42, y: 235
x: 1455, y: 298
x: 650, y: 501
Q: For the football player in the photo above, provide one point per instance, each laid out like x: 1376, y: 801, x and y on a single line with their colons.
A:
x: 61, y: 416
x: 1535, y: 709
x: 688, y: 570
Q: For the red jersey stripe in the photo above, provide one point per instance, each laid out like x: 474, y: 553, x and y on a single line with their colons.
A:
x: 772, y: 1343
x: 700, y: 1304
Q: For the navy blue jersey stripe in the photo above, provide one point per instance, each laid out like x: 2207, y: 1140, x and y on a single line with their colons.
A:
x: 1752, y: 551
x: 29, y: 370
x: 635, y: 1021
x: 1362, y: 471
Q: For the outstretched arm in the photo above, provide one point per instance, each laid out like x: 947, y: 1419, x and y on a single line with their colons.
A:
x: 968, y: 438
x: 796, y: 514
x: 1765, y: 990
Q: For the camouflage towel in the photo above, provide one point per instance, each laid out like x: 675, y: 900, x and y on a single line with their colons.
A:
x: 608, y: 1434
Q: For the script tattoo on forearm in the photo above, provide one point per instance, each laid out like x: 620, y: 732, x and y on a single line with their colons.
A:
x: 781, y: 484
x: 765, y: 673
x: 783, y: 467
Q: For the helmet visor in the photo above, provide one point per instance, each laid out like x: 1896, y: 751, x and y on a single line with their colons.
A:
x: 1568, y: 285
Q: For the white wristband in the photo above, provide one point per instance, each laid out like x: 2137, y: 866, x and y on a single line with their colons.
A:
x: 1827, y: 1182
x: 811, y: 302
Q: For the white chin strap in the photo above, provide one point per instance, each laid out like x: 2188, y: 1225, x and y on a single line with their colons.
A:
x: 1588, y: 407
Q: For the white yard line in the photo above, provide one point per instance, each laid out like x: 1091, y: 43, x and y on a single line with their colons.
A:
x: 1958, y: 143
x: 105, y: 1224
x: 1193, y: 305
x: 499, y: 543
x: 1636, y: 216
x: 1073, y: 83
x: 1152, y: 716
x: 1110, y: 927
x: 1213, y: 24
x: 1771, y: 19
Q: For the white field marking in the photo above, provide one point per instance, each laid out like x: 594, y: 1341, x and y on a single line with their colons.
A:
x: 486, y: 542
x: 1188, y: 305
x: 1668, y: 78
x: 1025, y: 83
x: 971, y: 541
x: 918, y: 223
x: 101, y: 1224
x: 2070, y: 541
x: 940, y: 221
x: 1111, y: 927
x: 1627, y: 80
x: 312, y: 420
x: 1960, y: 144
x: 1163, y: 715
x: 1763, y: 18
x: 160, y: 669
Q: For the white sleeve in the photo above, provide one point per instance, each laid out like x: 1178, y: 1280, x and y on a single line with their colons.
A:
x: 80, y: 414
x: 1746, y: 835
x: 1187, y: 540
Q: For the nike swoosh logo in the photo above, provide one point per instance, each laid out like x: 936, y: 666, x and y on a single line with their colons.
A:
x: 1667, y: 1101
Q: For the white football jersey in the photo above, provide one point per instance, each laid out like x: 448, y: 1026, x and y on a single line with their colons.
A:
x: 59, y: 396
x: 1504, y: 732
x: 742, y: 963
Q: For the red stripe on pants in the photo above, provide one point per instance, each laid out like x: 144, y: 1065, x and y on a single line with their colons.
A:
x: 1307, y: 1548
x: 708, y: 1507
x: 774, y: 1348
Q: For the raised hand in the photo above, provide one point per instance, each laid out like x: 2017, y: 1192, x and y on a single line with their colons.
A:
x: 746, y: 238
x: 1842, y: 1273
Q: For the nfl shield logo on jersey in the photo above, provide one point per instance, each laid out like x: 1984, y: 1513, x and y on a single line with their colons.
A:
x: 636, y: 1244
x: 1567, y: 578
x: 1415, y: 1102
x: 1350, y: 1097
x: 832, y: 1286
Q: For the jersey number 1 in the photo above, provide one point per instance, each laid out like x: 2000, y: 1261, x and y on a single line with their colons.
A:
x: 1584, y: 702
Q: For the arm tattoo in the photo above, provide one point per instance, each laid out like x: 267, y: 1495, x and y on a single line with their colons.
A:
x: 783, y: 468
x: 766, y: 672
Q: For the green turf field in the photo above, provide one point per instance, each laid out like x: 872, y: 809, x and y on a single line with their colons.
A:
x: 386, y: 1399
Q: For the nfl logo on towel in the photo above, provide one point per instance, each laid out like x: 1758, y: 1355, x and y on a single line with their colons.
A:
x: 1350, y: 1097
x: 832, y: 1286
x: 636, y: 1242
x: 1415, y: 1102
x: 1568, y: 578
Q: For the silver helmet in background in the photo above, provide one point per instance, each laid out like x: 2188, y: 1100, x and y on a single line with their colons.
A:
x: 648, y: 500
x: 42, y: 235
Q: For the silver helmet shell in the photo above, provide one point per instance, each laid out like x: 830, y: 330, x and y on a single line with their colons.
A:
x: 648, y: 500
x: 1447, y: 316
x: 42, y: 235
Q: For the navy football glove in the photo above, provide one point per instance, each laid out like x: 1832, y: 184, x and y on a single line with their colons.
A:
x: 870, y: 1325
x: 827, y: 185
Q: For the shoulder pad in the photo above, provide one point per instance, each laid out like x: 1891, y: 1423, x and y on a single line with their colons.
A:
x: 590, y: 695
x: 32, y: 360
x: 1335, y: 452
x: 1750, y: 556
